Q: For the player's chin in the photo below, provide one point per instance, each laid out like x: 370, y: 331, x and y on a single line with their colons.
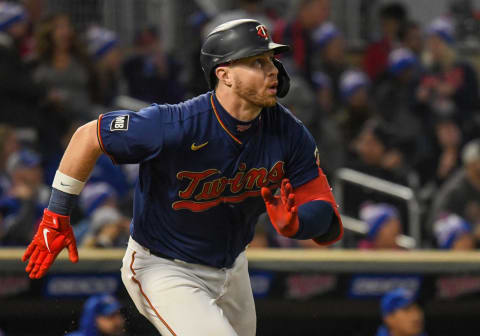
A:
x: 269, y: 100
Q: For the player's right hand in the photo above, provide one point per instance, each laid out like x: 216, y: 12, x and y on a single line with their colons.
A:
x: 53, y: 235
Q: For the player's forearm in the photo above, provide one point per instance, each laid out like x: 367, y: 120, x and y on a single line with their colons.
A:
x: 315, y: 218
x: 82, y: 153
x: 76, y: 165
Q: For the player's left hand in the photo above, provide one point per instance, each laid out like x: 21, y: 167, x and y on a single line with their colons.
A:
x: 53, y: 235
x: 282, y: 209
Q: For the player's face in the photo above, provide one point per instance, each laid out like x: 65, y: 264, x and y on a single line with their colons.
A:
x: 406, y: 321
x: 255, y: 80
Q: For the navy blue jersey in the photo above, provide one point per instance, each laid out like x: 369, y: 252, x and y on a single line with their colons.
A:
x: 201, y: 171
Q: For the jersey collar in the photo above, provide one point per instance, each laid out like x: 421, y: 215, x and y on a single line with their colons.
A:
x: 238, y: 130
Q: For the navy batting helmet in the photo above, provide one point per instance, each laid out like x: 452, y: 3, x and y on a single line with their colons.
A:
x: 238, y: 39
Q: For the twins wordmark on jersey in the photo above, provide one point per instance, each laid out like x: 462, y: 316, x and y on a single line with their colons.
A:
x: 201, y: 195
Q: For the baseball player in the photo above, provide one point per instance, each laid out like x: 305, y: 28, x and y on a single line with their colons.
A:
x: 208, y: 168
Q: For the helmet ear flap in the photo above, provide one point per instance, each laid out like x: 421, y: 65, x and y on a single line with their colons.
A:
x: 283, y: 79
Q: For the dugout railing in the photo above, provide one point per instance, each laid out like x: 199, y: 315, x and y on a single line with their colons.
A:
x: 346, y: 176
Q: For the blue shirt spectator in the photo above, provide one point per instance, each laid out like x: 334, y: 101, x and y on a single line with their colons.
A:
x: 101, y: 316
x: 401, y: 314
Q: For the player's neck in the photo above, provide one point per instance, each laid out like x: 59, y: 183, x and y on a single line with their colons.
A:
x: 237, y: 107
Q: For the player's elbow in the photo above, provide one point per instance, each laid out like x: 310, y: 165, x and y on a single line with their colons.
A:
x: 86, y: 135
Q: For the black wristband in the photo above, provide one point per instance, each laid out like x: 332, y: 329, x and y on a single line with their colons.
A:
x: 61, y: 202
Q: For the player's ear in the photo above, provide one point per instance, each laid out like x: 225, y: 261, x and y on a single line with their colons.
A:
x: 224, y: 75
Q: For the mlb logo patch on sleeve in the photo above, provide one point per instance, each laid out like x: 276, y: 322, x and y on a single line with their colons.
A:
x: 120, y: 123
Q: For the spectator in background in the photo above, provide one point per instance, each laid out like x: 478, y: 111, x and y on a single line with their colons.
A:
x: 94, y: 196
x: 449, y: 139
x: 448, y: 77
x: 384, y: 226
x: 356, y: 110
x: 392, y: 18
x: 194, y: 73
x: 330, y: 56
x: 101, y: 317
x: 35, y: 10
x: 410, y: 37
x: 324, y: 130
x: 396, y: 102
x: 441, y: 154
x: 22, y: 207
x: 310, y: 14
x: 151, y: 73
x: 105, y: 225
x: 108, y: 228
x: 460, y: 194
x: 376, y: 154
x: 8, y: 145
x: 324, y: 93
x: 401, y: 315
x: 19, y: 95
x: 453, y: 233
x: 103, y: 47
x: 301, y: 101
x: 65, y: 68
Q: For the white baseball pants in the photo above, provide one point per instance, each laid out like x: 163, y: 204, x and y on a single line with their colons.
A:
x: 184, y: 299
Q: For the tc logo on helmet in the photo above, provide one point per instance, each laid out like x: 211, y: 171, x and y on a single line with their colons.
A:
x: 262, y: 31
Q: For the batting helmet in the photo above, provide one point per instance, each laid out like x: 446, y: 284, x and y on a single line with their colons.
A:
x: 238, y: 39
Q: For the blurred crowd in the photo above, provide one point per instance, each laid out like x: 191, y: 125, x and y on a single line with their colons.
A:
x: 404, y: 109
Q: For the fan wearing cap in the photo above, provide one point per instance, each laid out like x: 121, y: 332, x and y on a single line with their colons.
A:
x: 209, y: 167
x: 19, y: 94
x: 12, y: 20
x: 356, y: 109
x: 384, y: 226
x: 393, y: 17
x: 22, y: 206
x: 395, y: 96
x: 454, y: 233
x: 107, y: 227
x: 460, y: 194
x: 101, y: 317
x: 450, y: 77
x: 401, y: 315
x: 103, y: 47
x: 330, y: 55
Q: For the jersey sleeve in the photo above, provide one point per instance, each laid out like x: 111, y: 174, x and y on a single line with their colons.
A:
x: 302, y: 159
x: 131, y: 137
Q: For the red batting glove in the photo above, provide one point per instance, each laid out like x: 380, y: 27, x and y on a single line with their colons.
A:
x: 282, y: 209
x: 54, y: 233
